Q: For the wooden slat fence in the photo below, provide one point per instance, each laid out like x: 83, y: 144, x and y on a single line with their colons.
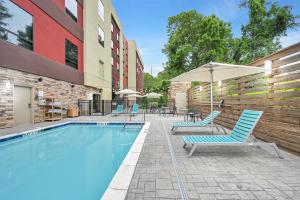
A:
x: 277, y: 94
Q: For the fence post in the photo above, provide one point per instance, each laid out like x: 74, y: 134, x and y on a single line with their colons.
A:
x: 241, y: 91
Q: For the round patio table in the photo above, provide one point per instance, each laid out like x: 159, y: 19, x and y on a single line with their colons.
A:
x: 164, y: 109
x: 193, y: 116
x: 185, y: 113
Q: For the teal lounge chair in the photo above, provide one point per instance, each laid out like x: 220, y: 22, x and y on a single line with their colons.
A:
x: 238, y: 136
x: 135, y: 109
x: 203, y: 123
x: 119, y: 111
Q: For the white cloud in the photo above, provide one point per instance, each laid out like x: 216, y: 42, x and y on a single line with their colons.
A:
x: 290, y: 39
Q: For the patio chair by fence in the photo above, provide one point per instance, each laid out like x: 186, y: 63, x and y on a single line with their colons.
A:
x: 203, y: 123
x: 135, y: 109
x: 119, y: 110
x: 238, y: 137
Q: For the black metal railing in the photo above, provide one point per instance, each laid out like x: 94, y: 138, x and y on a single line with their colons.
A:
x: 86, y: 107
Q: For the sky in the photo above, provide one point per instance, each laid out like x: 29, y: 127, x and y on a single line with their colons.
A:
x: 146, y: 22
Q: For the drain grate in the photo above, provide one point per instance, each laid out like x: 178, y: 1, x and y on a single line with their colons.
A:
x: 181, y: 184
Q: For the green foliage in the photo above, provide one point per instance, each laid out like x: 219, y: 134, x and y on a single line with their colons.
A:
x: 4, y: 15
x: 24, y: 37
x: 159, y: 84
x: 266, y: 25
x: 195, y: 39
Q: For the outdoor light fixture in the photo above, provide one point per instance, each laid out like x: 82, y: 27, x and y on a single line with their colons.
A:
x: 268, y: 67
x: 219, y: 83
x: 7, y: 84
x: 200, y: 88
x: 40, y: 79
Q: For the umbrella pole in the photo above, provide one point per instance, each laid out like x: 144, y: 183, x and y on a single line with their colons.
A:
x: 211, y: 93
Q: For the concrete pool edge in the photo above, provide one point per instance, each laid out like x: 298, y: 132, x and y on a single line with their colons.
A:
x: 119, y: 185
x: 38, y: 130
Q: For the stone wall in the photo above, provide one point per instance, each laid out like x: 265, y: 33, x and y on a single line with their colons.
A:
x: 68, y: 93
x: 178, y: 88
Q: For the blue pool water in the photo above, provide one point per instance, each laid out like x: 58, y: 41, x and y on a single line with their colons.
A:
x: 73, y: 162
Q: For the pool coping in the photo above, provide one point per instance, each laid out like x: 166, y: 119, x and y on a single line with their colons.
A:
x: 119, y: 185
x: 38, y: 130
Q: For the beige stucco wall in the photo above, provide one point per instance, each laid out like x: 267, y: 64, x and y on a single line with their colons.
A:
x: 97, y: 59
x: 132, y: 48
x: 132, y: 51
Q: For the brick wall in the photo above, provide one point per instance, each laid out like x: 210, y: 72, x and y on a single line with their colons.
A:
x: 59, y: 89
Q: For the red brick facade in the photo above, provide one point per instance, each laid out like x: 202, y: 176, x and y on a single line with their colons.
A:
x: 139, y: 75
x: 125, y: 62
x: 115, y: 36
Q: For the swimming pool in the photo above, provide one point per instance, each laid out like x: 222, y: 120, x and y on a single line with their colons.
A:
x: 73, y: 161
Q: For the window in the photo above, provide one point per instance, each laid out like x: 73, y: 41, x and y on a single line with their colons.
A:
x: 112, y: 61
x: 111, y: 44
x: 117, y: 36
x: 16, y: 25
x: 101, y: 9
x: 71, y: 9
x: 101, y: 36
x: 112, y: 27
x: 71, y: 54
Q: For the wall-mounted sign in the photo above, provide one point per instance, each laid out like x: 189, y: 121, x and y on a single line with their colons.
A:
x: 40, y: 93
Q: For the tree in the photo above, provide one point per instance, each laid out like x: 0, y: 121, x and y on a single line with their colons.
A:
x: 260, y: 37
x: 194, y: 40
x: 25, y: 37
x: 148, y: 82
x: 3, y: 16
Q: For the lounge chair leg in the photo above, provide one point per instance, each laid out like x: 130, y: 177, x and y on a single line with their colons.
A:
x: 273, y: 145
x: 217, y: 127
x: 192, y: 150
x: 184, y: 145
x: 276, y: 150
x: 223, y: 129
x: 173, y: 130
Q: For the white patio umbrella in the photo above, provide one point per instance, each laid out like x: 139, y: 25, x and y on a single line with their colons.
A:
x: 214, y: 71
x: 135, y: 95
x: 127, y: 91
x: 153, y: 95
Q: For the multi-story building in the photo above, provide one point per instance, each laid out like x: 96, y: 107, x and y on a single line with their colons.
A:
x: 125, y: 62
x: 135, y: 68
x: 67, y: 49
x: 116, y: 46
x: 97, y: 50
x: 41, y: 54
x: 103, y: 47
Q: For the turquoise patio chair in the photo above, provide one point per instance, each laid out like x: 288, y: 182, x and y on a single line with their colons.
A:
x: 135, y: 109
x: 238, y: 136
x: 119, y: 111
x: 203, y: 123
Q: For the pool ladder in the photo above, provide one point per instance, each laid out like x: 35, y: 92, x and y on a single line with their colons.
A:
x: 125, y: 123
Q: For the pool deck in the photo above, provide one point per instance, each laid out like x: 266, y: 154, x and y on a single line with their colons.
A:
x: 164, y: 170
